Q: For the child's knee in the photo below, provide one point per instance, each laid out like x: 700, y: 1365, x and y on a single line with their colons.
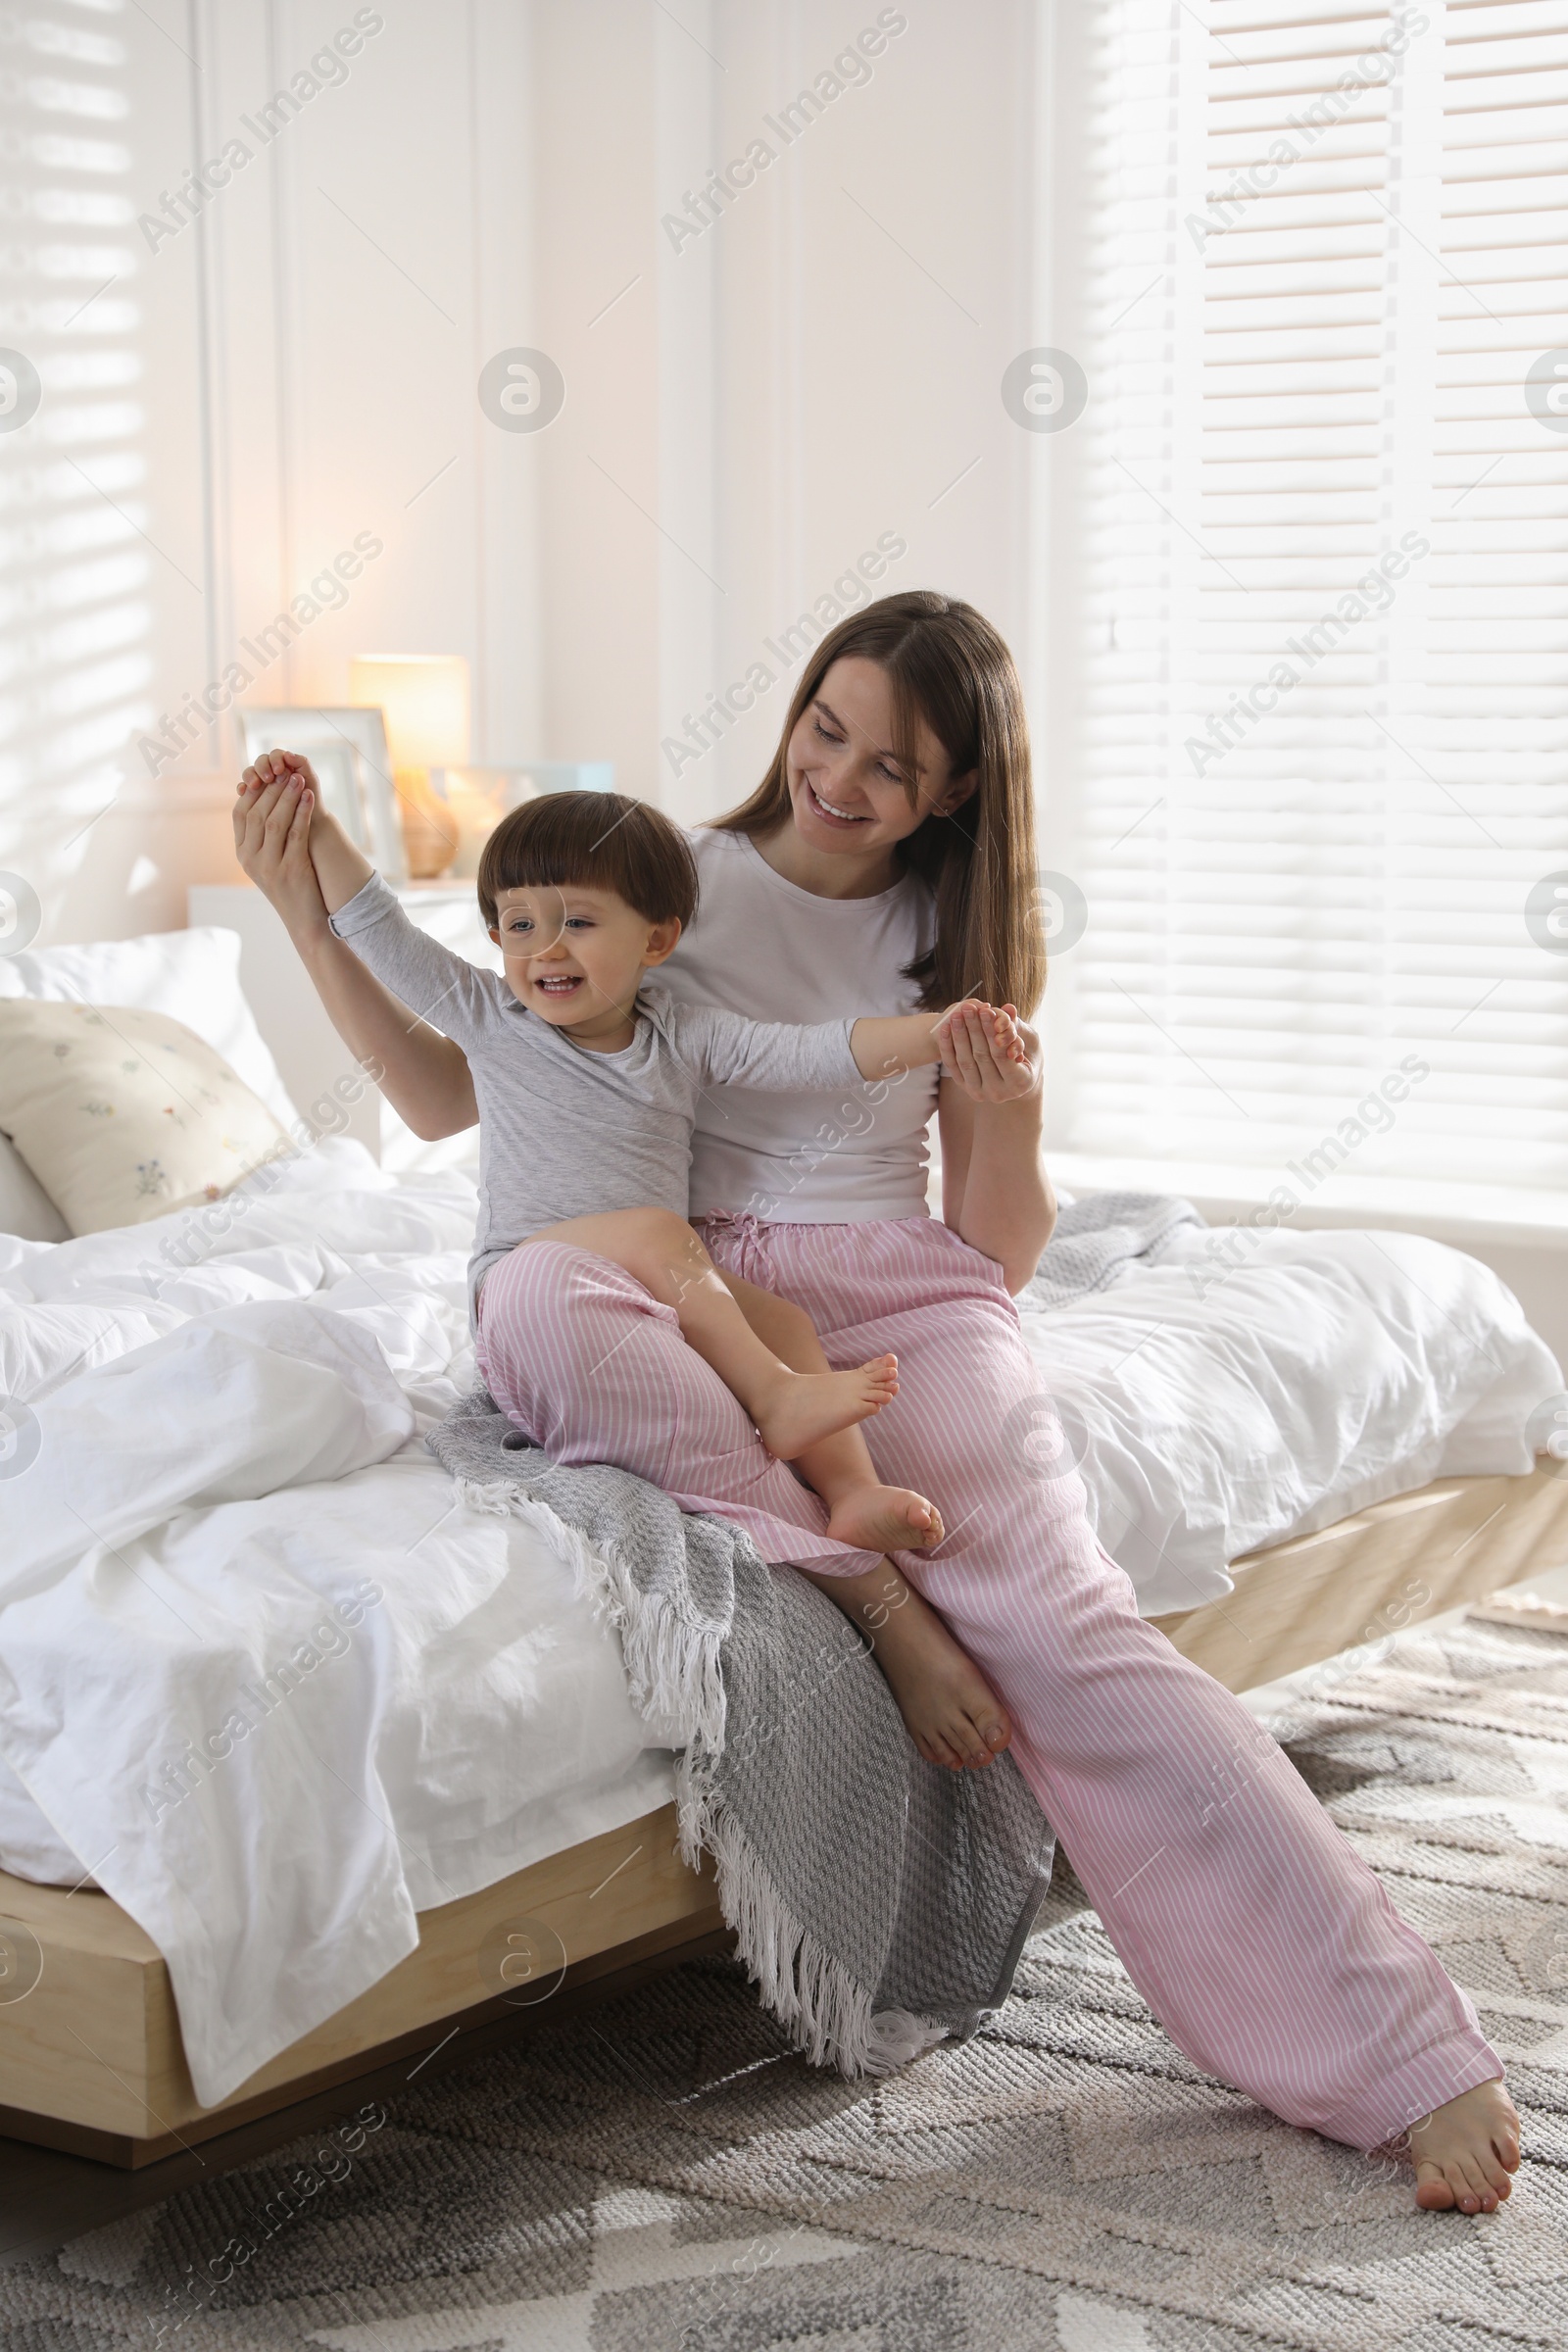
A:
x: 661, y: 1230
x: 657, y: 1248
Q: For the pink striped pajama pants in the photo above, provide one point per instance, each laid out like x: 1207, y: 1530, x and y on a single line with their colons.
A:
x: 1261, y: 1942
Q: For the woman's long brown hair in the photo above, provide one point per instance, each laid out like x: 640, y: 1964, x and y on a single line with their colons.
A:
x: 947, y: 665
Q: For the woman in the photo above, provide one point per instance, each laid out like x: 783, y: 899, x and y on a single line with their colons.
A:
x: 887, y: 861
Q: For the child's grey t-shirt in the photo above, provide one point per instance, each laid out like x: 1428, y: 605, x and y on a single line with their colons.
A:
x: 564, y: 1132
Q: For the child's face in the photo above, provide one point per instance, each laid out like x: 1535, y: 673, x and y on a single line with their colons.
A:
x: 575, y: 955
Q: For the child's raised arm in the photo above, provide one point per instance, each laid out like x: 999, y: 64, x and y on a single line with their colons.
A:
x: 424, y: 1076
x: 439, y: 986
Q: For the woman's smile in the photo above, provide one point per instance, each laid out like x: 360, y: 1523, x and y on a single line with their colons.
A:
x: 855, y: 787
x: 836, y: 816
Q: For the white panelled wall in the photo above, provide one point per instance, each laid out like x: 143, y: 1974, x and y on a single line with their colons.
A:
x: 765, y: 407
x: 750, y: 406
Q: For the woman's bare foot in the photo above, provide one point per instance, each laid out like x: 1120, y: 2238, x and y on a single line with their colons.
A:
x: 952, y: 1715
x: 800, y: 1409
x: 1464, y: 2151
x: 885, y: 1519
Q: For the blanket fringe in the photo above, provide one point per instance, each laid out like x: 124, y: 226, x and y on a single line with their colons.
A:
x: 826, y: 2013
x: 677, y: 1684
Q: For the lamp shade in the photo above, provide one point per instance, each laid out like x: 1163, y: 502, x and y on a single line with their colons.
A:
x: 424, y: 700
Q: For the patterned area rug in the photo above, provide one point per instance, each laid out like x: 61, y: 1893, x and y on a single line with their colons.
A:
x: 663, y: 2175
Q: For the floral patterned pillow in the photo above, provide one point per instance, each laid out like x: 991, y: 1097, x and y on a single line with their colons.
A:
x: 123, y: 1115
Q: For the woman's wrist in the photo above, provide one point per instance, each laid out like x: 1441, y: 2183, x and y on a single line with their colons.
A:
x: 311, y: 932
x: 1022, y: 1118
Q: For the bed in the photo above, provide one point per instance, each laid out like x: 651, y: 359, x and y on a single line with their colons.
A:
x: 447, y: 1809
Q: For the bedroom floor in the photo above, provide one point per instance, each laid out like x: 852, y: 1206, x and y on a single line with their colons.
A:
x: 48, y: 2198
x: 660, y: 2169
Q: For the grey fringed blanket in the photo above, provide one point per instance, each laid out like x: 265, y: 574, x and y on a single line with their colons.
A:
x: 880, y: 1903
x: 1097, y: 1238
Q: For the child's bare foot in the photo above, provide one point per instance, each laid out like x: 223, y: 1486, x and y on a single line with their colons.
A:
x: 885, y: 1519
x: 952, y: 1715
x: 1465, y: 2150
x: 802, y: 1408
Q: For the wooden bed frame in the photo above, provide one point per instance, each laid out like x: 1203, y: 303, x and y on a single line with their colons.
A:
x: 90, y: 2057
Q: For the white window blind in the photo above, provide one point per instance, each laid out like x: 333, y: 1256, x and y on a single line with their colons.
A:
x: 1321, y: 751
x: 75, y: 668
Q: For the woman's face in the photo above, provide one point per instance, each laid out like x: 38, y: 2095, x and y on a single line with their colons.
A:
x: 848, y: 791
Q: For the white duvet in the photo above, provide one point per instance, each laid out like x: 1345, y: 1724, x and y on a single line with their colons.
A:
x: 1327, y: 1372
x: 263, y: 1680
x: 236, y: 1524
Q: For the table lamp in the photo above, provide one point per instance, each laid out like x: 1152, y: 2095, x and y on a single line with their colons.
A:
x: 423, y: 700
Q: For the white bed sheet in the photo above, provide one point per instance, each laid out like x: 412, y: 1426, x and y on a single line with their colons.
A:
x: 228, y: 1449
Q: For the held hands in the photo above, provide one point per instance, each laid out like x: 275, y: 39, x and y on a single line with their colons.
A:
x: 292, y: 850
x: 277, y: 800
x: 992, y: 1056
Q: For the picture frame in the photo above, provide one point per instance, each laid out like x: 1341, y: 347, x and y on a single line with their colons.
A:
x: 346, y: 745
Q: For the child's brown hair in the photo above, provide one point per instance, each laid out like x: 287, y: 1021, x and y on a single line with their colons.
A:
x: 598, y: 838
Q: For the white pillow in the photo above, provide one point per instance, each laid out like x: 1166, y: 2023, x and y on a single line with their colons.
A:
x: 25, y: 1208
x: 124, y: 1115
x: 193, y: 976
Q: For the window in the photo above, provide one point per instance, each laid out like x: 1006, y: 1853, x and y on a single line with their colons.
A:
x: 1313, y: 781
x: 75, y: 673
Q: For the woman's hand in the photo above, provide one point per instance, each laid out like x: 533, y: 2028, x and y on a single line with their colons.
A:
x: 277, y: 800
x: 992, y: 1056
x: 996, y: 1194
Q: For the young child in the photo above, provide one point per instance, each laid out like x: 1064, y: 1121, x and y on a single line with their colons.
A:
x: 587, y: 1082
